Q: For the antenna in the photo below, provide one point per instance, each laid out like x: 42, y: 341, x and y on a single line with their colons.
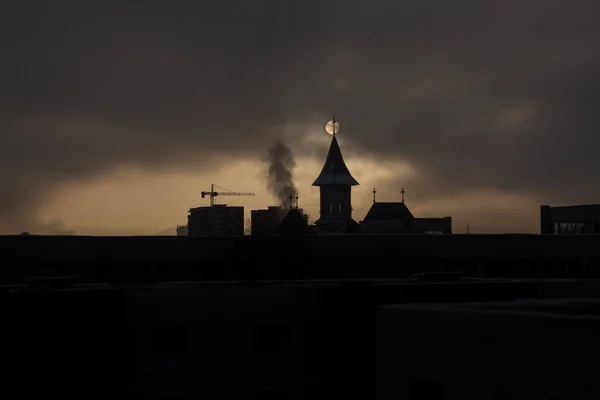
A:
x: 374, y: 193
x: 297, y: 197
x: 402, y: 191
x: 291, y: 200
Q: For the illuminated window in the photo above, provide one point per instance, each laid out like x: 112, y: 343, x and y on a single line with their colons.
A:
x: 569, y: 228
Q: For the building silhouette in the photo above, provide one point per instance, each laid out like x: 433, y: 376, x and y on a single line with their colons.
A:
x: 216, y: 220
x: 267, y: 222
x: 294, y: 223
x: 395, y: 217
x: 521, y: 349
x: 335, y: 184
x: 335, y: 207
x: 570, y: 220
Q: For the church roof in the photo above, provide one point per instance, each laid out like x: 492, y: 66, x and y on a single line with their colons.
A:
x: 384, y: 211
x: 335, y: 171
x: 294, y: 223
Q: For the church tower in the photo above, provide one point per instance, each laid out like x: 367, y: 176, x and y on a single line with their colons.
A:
x: 335, y: 183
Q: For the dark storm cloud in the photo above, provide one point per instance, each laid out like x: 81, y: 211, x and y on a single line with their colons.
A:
x: 498, y: 94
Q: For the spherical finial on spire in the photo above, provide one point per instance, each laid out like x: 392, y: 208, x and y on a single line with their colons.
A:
x: 332, y: 127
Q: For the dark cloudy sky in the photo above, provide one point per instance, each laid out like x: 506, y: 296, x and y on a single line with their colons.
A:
x: 483, y: 110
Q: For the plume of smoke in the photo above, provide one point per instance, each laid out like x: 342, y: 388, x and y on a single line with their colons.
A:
x: 32, y: 224
x: 280, y: 177
x: 53, y: 227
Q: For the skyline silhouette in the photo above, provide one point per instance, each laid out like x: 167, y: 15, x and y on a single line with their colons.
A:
x: 307, y: 245
x: 480, y: 110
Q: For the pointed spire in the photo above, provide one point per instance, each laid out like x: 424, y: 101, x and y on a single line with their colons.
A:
x: 335, y: 171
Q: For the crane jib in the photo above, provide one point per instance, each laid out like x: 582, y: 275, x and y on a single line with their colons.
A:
x: 212, y: 194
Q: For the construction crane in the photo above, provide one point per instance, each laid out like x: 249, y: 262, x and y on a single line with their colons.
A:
x: 212, y: 194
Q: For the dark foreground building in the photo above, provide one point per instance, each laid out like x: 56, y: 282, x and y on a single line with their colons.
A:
x: 287, y: 340
x: 171, y: 258
x: 526, y: 349
x: 570, y: 220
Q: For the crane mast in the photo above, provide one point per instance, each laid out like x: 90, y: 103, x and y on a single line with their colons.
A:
x: 212, y: 194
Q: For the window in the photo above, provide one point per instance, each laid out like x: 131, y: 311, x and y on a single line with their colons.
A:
x: 569, y: 228
x: 340, y: 207
x: 330, y: 207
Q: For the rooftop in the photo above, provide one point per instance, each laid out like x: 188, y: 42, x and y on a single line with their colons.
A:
x: 335, y: 171
x: 386, y: 211
x: 293, y: 223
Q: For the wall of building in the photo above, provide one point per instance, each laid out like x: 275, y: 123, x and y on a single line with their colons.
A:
x: 286, y: 340
x: 216, y: 220
x: 431, y: 225
x: 222, y: 341
x: 484, y: 351
x: 140, y: 259
x: 50, y: 249
x: 266, y: 222
x: 576, y: 213
x: 335, y: 203
x: 412, y: 225
x: 583, y: 219
x: 385, y: 226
